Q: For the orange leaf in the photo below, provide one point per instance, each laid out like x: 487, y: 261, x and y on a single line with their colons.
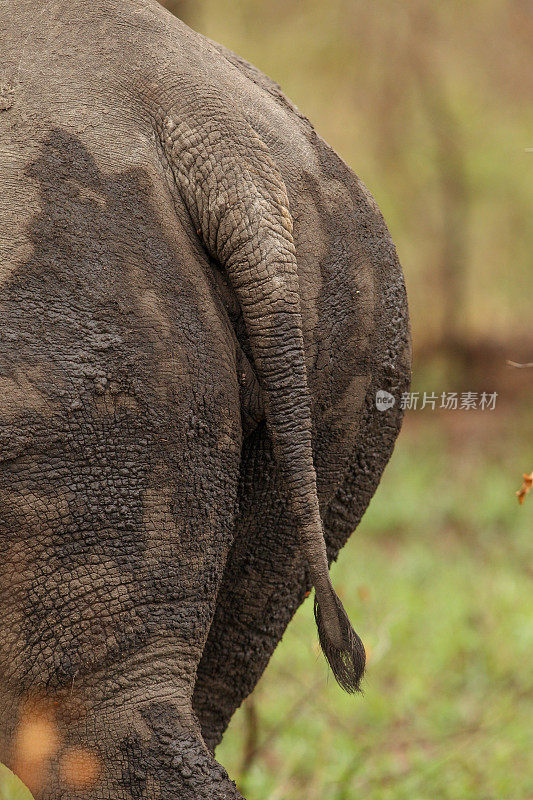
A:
x: 80, y: 768
x: 525, y: 488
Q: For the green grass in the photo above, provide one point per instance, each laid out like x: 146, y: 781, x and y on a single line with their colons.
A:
x: 11, y: 787
x: 438, y: 582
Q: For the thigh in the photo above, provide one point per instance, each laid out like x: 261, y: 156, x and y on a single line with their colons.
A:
x: 120, y: 446
x: 265, y: 578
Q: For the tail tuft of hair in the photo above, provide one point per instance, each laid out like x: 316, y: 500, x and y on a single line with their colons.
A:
x: 340, y: 644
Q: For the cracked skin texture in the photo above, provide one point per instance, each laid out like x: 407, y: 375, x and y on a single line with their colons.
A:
x: 158, y: 409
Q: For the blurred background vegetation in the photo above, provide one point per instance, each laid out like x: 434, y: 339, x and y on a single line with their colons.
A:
x: 430, y: 103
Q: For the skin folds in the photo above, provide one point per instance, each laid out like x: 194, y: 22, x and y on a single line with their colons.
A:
x: 198, y: 302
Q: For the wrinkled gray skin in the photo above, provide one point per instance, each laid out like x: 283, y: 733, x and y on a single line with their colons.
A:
x: 198, y: 303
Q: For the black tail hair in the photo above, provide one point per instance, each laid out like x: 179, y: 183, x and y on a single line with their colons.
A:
x: 345, y: 654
